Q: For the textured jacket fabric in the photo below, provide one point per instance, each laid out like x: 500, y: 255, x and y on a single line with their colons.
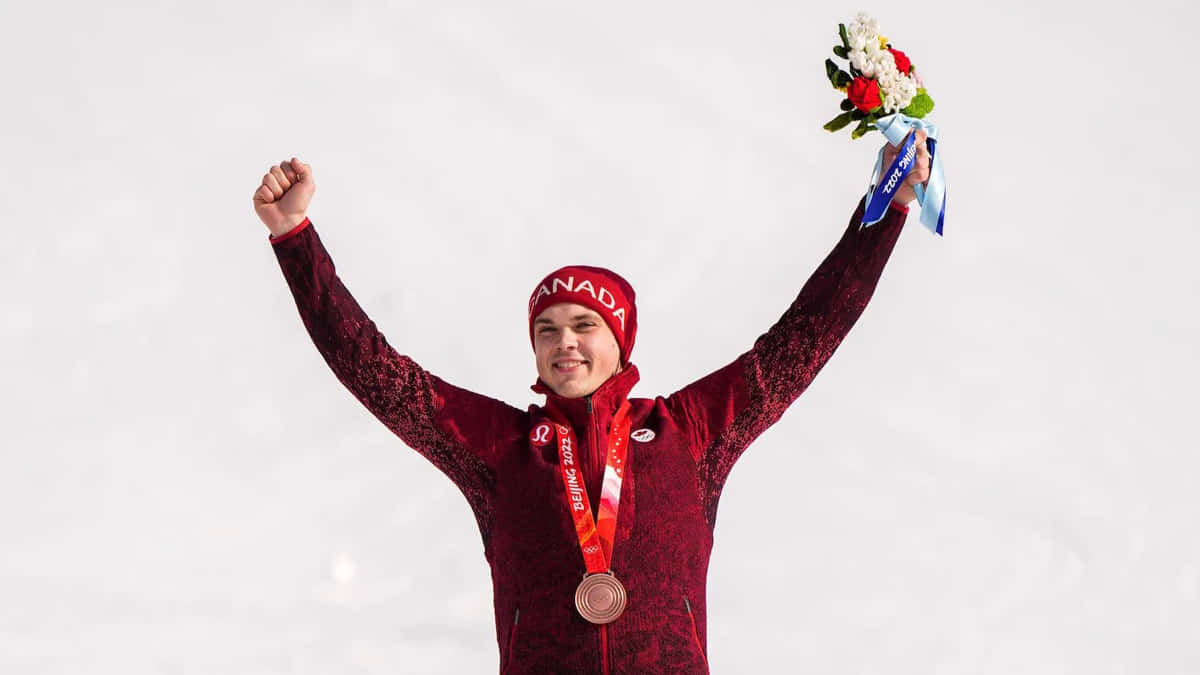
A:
x: 683, y: 448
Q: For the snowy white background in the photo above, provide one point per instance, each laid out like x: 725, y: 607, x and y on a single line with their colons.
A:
x: 997, y: 472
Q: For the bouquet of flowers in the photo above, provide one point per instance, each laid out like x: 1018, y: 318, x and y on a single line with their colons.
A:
x: 881, y: 82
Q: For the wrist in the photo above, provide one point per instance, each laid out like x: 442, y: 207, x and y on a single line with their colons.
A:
x: 286, y: 232
x: 286, y: 225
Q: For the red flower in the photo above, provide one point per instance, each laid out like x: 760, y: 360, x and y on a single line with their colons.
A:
x: 902, y: 62
x: 864, y: 94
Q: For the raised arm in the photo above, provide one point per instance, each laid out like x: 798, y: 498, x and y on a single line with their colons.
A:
x: 724, y: 411
x: 457, y: 430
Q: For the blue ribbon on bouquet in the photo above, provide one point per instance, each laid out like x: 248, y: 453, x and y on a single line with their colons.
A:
x: 931, y: 196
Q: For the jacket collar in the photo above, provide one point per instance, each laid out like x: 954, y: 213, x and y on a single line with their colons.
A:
x: 604, y: 401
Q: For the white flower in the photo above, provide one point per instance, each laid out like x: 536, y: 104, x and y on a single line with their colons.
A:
x: 872, y: 63
x: 896, y: 88
x: 863, y: 23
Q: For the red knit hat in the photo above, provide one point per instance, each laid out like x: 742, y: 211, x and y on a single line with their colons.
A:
x: 596, y: 288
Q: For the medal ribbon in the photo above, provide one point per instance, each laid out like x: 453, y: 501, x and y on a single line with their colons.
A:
x: 595, y: 536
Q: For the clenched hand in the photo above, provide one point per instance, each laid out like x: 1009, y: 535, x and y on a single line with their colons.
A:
x: 919, y: 173
x: 281, y: 202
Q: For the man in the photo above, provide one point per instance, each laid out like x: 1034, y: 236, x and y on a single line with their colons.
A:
x: 596, y: 511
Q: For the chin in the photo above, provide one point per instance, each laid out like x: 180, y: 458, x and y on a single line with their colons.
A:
x: 572, y: 392
x: 573, y: 389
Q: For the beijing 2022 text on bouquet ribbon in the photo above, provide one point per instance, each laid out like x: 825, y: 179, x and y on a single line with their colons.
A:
x: 884, y: 92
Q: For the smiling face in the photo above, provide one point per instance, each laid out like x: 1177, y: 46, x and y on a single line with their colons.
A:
x: 576, y: 351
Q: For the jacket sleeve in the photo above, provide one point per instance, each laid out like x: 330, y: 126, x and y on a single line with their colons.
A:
x: 724, y: 411
x: 457, y: 430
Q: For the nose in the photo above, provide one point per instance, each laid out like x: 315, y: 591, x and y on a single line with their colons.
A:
x: 567, y: 339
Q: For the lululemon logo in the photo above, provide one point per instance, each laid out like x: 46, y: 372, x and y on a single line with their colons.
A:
x: 540, y: 434
x: 643, y: 435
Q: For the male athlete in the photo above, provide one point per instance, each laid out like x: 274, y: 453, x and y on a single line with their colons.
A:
x: 596, y: 510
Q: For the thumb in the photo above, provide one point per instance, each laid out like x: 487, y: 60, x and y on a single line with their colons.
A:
x: 303, y: 171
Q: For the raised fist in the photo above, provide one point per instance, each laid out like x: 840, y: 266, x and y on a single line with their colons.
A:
x: 281, y: 202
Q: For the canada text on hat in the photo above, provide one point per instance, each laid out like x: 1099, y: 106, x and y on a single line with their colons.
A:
x: 603, y: 296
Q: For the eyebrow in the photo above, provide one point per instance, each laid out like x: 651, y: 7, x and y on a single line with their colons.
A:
x: 577, y: 317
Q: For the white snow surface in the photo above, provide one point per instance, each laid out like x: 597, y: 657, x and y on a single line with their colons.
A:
x: 992, y: 476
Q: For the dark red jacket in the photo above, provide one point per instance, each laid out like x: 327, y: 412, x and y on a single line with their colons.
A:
x: 671, y: 487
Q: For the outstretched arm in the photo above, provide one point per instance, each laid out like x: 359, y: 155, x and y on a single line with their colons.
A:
x: 457, y: 430
x: 726, y: 410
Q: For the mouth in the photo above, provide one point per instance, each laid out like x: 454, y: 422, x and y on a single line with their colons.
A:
x: 568, y: 365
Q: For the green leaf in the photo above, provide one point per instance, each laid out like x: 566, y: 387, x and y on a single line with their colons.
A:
x: 847, y: 105
x: 858, y: 114
x: 842, y: 34
x: 837, y: 77
x: 862, y: 129
x: 920, y: 106
x: 842, y: 52
x: 838, y: 122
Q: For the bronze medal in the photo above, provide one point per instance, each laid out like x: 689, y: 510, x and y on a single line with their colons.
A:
x: 600, y: 598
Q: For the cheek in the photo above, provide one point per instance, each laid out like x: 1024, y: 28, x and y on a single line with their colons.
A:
x: 612, y: 352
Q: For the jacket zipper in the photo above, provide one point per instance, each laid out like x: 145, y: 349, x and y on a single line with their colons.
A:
x: 604, y: 649
x: 695, y: 633
x: 512, y: 636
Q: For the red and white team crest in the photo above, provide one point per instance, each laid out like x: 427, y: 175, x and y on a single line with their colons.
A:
x: 643, y: 435
x: 540, y: 435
